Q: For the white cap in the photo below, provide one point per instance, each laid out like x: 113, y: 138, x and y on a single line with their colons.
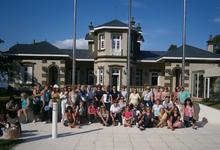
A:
x: 55, y: 86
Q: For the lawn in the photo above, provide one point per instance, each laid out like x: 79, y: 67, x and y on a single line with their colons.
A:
x: 211, y: 104
x: 8, y: 144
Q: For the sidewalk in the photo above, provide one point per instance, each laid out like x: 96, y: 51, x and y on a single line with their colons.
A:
x: 96, y: 137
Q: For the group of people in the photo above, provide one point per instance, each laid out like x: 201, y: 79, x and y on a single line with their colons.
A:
x: 78, y: 105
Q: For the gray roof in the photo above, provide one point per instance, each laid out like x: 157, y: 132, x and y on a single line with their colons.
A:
x: 47, y: 48
x: 191, y: 51
x: 79, y: 53
x: 150, y: 55
x: 114, y: 23
x: 34, y: 48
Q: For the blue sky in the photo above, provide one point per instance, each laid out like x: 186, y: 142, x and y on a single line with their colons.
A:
x: 22, y: 21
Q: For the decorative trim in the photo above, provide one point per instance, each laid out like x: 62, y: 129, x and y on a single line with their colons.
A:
x: 44, y: 61
x: 109, y: 27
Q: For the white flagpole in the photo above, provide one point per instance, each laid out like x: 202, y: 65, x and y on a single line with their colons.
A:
x: 184, y: 43
x: 74, y: 43
x: 129, y: 48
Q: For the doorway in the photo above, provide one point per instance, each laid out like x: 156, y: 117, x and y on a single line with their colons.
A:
x: 53, y: 75
x: 116, y: 78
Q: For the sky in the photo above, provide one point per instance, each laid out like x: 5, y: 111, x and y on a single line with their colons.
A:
x: 22, y: 21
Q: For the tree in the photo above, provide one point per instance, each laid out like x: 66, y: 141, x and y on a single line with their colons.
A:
x: 172, y: 46
x: 216, y: 43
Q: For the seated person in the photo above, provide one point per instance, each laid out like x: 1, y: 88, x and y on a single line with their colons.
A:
x: 69, y: 117
x: 147, y: 119
x: 103, y: 114
x: 81, y: 112
x: 168, y: 105
x: 127, y: 117
x: 12, y: 110
x: 156, y: 110
x: 24, y: 106
x: 115, y: 112
x: 174, y: 120
x: 92, y: 113
x: 122, y: 102
x: 188, y: 112
x: 162, y: 118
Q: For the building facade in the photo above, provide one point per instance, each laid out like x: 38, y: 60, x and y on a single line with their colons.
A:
x: 105, y: 62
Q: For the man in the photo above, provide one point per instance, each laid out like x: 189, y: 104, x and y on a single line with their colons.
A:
x: 183, y: 95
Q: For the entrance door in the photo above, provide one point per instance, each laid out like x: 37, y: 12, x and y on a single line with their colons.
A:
x: 116, y: 78
x: 178, y: 77
x: 53, y: 75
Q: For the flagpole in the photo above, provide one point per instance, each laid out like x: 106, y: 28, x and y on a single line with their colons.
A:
x: 74, y: 44
x: 184, y: 43
x: 129, y: 48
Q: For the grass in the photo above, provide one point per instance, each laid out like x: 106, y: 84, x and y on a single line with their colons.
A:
x: 8, y: 144
x: 211, y: 104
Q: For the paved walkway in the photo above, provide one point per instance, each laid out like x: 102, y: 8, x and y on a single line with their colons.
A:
x: 96, y: 137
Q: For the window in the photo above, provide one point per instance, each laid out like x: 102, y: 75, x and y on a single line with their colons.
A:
x: 116, y: 45
x: 154, y: 78
x: 198, y: 84
x: 138, y: 77
x: 100, y: 76
x: 101, y: 41
x: 27, y: 74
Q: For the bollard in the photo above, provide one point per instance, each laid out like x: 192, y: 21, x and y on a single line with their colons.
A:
x: 54, y: 120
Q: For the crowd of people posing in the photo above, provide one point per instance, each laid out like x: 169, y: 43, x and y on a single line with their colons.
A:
x: 79, y: 105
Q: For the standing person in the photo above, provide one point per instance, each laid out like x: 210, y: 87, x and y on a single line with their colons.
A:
x: 175, y: 94
x: 98, y: 96
x: 106, y: 98
x: 47, y: 109
x: 174, y: 120
x: 64, y: 98
x: 134, y: 98
x: 73, y: 97
x: 90, y: 94
x: 188, y: 111
x: 25, y: 103
x: 115, y: 112
x: 115, y: 94
x: 124, y: 92
x: 148, y: 97
x: 157, y: 94
x: 183, y: 95
x: 37, y: 103
x: 165, y: 93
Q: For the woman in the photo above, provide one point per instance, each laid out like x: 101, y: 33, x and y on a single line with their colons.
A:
x: 124, y: 92
x: 127, y: 117
x: 134, y: 98
x: 106, y: 98
x: 162, y: 118
x: 148, y: 98
x: 175, y: 94
x: 104, y: 116
x: 157, y: 94
x: 115, y: 113
x: 37, y: 103
x: 188, y: 113
x: 165, y: 93
x: 63, y: 97
x: 25, y: 103
x: 98, y: 96
x: 174, y: 120
x: 147, y: 119
x: 156, y: 110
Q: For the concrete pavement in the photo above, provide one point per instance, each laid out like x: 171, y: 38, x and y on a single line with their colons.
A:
x: 97, y: 137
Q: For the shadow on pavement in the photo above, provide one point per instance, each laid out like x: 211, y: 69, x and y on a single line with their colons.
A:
x: 43, y: 137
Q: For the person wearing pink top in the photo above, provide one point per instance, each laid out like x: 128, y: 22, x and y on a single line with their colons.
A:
x: 157, y: 94
x: 188, y: 113
x: 127, y: 117
x: 165, y: 93
x: 175, y: 94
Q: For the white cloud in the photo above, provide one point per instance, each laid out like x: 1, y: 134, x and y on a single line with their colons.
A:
x: 68, y: 43
x: 216, y: 20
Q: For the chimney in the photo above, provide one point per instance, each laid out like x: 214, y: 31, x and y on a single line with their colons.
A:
x: 34, y: 42
x: 210, y: 44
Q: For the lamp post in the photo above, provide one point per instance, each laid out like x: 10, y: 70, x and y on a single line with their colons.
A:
x: 74, y: 43
x: 129, y: 48
x: 184, y: 43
